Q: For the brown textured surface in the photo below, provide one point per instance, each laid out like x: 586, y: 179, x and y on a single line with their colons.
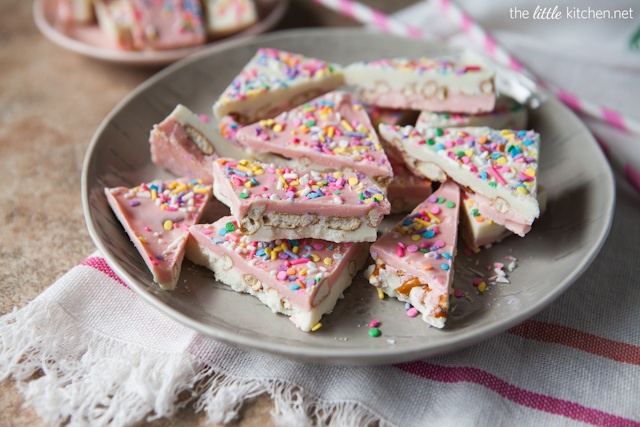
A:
x: 51, y: 102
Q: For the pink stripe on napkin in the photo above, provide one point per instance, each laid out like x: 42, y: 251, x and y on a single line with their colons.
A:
x: 101, y: 265
x: 558, y: 334
x: 515, y: 394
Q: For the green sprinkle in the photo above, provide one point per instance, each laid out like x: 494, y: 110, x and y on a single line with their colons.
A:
x: 229, y: 227
x: 243, y: 195
x: 374, y: 332
x: 440, y: 199
x: 493, y: 184
x: 431, y: 141
x: 451, y: 204
x: 439, y: 132
x: 460, y: 154
x: 475, y: 213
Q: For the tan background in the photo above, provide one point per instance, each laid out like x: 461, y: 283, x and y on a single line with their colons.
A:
x: 51, y: 102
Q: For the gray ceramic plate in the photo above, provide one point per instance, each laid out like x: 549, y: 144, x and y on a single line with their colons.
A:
x: 558, y: 249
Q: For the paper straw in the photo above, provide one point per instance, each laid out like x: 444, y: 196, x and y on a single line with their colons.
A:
x: 367, y: 15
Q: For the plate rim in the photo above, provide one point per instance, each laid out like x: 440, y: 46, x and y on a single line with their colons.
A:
x: 146, y: 58
x: 337, y: 356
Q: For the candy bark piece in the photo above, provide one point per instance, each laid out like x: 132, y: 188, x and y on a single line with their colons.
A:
x: 187, y: 146
x: 507, y: 114
x: 225, y: 17
x: 300, y: 278
x: 478, y: 231
x: 157, y: 25
x: 414, y: 261
x: 75, y: 11
x: 461, y: 83
x: 499, y: 166
x: 270, y: 203
x: 330, y: 132
x: 275, y: 81
x: 157, y: 216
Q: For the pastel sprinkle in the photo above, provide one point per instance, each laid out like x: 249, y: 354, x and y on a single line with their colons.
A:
x: 412, y: 312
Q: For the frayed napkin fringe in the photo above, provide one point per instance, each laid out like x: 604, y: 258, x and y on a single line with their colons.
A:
x: 77, y: 377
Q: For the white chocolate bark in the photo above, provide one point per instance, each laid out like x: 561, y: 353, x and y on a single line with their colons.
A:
x: 75, y: 11
x: 461, y: 83
x: 500, y: 165
x: 275, y: 81
x: 272, y: 203
x: 156, y: 216
x: 414, y: 261
x: 300, y: 278
x: 507, y: 114
x: 478, y: 231
x: 186, y: 146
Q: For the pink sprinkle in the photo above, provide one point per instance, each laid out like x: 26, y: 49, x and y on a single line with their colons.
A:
x: 318, y: 246
x: 440, y: 243
x: 374, y: 323
x: 298, y: 261
x: 477, y: 281
x: 412, y: 312
x: 147, y: 229
x: 412, y: 248
x: 458, y: 293
x: 497, y: 176
x: 400, y: 244
x: 399, y: 251
x: 435, y: 210
x: 281, y: 275
x: 206, y: 232
x: 203, y: 118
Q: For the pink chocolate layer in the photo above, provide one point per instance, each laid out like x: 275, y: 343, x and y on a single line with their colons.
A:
x: 344, y: 194
x: 293, y: 273
x: 158, y: 227
x: 332, y: 131
x: 423, y: 244
x: 454, y: 102
x: 172, y: 150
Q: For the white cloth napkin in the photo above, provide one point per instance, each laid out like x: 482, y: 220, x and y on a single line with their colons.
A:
x: 88, y: 351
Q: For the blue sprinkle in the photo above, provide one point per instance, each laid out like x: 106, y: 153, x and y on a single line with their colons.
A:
x: 522, y: 133
x: 527, y: 142
x: 294, y: 287
x: 445, y: 266
x: 292, y: 278
x: 439, y: 147
x: 429, y: 234
x: 407, y: 305
x: 483, y: 175
x: 222, y: 231
x: 446, y: 255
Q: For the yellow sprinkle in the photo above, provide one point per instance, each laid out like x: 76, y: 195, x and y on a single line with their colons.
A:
x: 331, y: 132
x: 201, y: 190
x: 168, y: 225
x: 433, y: 217
x: 267, y: 251
x: 368, y: 201
x: 248, y: 184
x: 295, y: 249
x: 380, y: 294
x: 328, y: 261
x: 505, y: 132
x: 522, y: 190
x: 501, y: 161
x: 258, y: 172
x: 482, y: 287
x: 154, y: 194
x: 378, y: 197
x: 339, y: 150
x: 277, y: 249
x: 173, y: 185
x: 422, y: 222
x: 468, y: 153
x: 303, y: 272
x: 278, y: 128
x: 346, y: 125
x: 315, y: 258
x: 316, y: 326
x: 142, y: 240
x: 415, y: 237
x: 338, y: 174
x: 530, y: 172
x: 243, y: 162
x: 274, y: 255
